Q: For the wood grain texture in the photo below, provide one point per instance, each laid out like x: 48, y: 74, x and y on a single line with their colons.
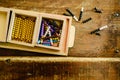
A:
x: 86, y: 45
x: 16, y: 69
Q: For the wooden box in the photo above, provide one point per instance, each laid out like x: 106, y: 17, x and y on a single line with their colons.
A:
x: 53, y: 31
x: 22, y: 29
x: 21, y: 19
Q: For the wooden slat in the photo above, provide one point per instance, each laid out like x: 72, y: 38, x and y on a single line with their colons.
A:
x: 53, y: 69
x: 49, y: 67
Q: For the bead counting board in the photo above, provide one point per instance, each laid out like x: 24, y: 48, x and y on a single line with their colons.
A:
x: 36, y: 32
x: 22, y: 28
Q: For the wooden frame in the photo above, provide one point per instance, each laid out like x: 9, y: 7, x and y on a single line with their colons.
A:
x: 25, y: 13
x: 54, y: 17
x: 34, y: 47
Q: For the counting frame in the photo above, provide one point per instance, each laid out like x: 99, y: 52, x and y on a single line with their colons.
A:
x: 21, y: 30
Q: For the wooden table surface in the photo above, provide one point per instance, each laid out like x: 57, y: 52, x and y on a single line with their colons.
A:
x: 86, y: 45
x: 73, y: 67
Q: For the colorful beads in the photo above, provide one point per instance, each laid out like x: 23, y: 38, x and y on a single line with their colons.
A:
x: 23, y: 28
x: 50, y: 32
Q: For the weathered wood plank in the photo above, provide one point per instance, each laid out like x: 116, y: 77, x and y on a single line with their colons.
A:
x: 57, y: 69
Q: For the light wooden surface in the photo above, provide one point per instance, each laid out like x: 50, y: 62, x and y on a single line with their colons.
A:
x: 4, y: 19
